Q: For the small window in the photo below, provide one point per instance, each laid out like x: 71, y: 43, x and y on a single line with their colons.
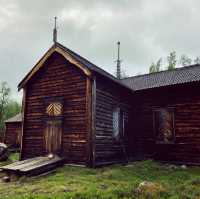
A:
x: 164, y: 125
x: 118, y: 122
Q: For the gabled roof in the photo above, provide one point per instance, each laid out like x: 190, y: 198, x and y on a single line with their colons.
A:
x: 141, y: 82
x: 74, y: 58
x: 164, y: 78
x: 16, y: 118
x: 87, y: 63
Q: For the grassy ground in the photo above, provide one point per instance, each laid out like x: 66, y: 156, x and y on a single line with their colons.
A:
x: 108, y: 183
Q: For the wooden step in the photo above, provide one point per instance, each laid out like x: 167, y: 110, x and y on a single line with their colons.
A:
x: 33, y: 166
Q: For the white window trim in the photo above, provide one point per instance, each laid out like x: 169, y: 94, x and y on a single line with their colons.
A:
x: 116, y: 122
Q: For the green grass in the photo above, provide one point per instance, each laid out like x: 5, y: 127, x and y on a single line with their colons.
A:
x: 12, y: 158
x: 107, y: 183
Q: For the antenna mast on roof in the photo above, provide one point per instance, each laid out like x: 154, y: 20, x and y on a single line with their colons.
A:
x: 118, y: 62
x: 55, y: 31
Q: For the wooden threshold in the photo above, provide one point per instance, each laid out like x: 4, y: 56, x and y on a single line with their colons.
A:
x: 33, y: 166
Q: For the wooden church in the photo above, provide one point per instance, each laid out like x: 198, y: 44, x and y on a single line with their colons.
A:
x: 80, y: 112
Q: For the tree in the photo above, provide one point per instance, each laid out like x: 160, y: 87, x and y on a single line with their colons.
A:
x: 152, y: 68
x: 155, y: 67
x: 11, y: 109
x: 4, y: 99
x: 185, y: 60
x: 158, y: 65
x: 197, y: 60
x: 171, y: 61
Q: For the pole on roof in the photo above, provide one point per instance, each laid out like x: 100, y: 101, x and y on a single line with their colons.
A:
x: 55, y: 30
x: 118, y: 61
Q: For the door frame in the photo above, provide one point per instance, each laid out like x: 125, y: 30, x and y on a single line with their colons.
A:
x: 46, y: 117
x: 61, y: 136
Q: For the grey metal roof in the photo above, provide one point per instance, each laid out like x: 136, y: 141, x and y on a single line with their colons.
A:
x: 16, y: 118
x: 140, y: 82
x: 164, y: 78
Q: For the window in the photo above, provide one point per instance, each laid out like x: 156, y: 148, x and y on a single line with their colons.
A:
x: 164, y: 125
x: 118, y: 122
x: 116, y: 116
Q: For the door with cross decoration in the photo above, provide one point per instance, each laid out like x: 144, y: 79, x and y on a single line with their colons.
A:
x: 53, y: 126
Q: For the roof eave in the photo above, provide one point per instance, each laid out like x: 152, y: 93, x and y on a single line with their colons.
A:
x: 54, y: 48
x: 23, y: 81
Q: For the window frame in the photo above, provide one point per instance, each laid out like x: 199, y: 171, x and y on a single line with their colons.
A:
x: 121, y: 123
x: 172, y: 111
x: 116, y: 110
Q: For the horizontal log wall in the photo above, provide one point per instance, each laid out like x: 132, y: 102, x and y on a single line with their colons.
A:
x: 185, y: 100
x: 13, y: 134
x: 109, y: 96
x: 58, y: 78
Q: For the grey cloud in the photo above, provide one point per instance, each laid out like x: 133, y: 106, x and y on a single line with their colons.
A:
x: 147, y: 30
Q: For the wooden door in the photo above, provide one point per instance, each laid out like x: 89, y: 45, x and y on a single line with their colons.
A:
x: 53, y: 136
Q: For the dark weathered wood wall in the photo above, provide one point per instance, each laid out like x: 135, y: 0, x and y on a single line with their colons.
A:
x: 58, y: 78
x: 13, y: 134
x: 2, y: 136
x: 185, y: 99
x: 109, y: 96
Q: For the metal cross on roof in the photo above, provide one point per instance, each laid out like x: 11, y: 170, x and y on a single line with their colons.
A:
x: 55, y: 30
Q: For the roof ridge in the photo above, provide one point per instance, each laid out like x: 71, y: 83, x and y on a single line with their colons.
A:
x: 93, y: 67
x: 86, y: 60
x: 163, y: 71
x: 181, y: 75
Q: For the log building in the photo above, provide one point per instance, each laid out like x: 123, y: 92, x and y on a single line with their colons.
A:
x: 75, y: 109
x: 13, y: 131
x: 166, y: 115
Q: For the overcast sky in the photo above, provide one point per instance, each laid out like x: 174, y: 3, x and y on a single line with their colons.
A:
x: 147, y: 30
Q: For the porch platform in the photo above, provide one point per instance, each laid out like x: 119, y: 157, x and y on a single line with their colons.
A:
x: 33, y: 166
